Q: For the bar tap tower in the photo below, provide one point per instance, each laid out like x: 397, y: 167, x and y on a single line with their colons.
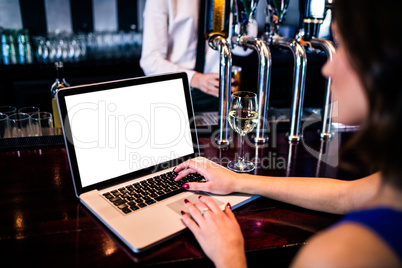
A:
x: 312, y: 13
x: 217, y: 30
x: 242, y: 15
x: 276, y: 10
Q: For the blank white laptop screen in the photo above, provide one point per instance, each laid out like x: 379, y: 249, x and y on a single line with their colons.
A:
x: 119, y: 131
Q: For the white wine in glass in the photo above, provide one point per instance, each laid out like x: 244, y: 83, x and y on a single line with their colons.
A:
x: 243, y: 117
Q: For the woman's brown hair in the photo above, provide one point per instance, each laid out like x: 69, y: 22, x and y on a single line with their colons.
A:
x: 371, y: 33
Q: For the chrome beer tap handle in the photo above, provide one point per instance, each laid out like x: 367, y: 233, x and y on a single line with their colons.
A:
x: 329, y: 49
x: 217, y: 30
x: 299, y: 77
x: 264, y: 75
x: 225, y: 83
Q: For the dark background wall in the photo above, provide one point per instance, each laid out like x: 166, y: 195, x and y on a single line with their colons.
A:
x: 42, y: 16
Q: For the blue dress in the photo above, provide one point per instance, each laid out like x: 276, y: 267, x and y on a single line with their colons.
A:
x: 385, y: 222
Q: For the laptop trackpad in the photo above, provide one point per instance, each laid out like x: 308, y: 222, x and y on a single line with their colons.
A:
x: 178, y: 205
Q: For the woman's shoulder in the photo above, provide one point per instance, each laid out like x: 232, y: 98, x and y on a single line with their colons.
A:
x: 349, y: 244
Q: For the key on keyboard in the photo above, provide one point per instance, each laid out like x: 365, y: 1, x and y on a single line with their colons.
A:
x: 147, y: 192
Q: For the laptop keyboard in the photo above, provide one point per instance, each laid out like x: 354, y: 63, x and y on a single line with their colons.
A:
x: 207, y: 119
x: 147, y: 192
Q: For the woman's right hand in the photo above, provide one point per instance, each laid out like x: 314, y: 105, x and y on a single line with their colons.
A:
x: 219, y: 180
x: 217, y: 232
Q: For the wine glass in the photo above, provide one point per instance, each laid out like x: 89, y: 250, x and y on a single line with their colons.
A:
x: 243, y: 117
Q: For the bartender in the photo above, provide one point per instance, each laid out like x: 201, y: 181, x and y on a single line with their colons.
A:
x: 170, y: 44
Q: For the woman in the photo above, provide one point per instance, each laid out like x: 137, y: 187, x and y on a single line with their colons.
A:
x: 365, y: 74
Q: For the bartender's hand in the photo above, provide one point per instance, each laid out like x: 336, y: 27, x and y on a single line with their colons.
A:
x: 217, y: 232
x: 208, y: 83
x: 219, y: 180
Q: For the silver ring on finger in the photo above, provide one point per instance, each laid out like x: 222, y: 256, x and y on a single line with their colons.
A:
x: 204, y: 210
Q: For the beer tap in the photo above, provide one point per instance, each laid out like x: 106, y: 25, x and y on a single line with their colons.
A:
x: 276, y: 10
x: 217, y: 29
x: 243, y: 12
x: 312, y: 14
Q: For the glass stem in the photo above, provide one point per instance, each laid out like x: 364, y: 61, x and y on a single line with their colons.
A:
x: 241, y: 144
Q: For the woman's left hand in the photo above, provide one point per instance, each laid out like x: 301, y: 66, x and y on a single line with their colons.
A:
x: 217, y: 232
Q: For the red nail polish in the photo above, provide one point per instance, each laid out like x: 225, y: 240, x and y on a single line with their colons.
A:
x: 199, y: 196
x: 174, y: 170
x: 229, y: 206
x: 182, y: 212
x: 186, y: 186
x: 186, y: 201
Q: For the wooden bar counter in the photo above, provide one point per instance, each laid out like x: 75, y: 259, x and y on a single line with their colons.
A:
x: 43, y: 223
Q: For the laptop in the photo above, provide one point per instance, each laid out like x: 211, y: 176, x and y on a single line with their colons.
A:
x: 123, y: 140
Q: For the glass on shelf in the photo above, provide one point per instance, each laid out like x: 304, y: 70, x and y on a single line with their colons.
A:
x: 69, y: 47
x: 4, y: 126
x: 29, y: 110
x: 42, y: 124
x: 20, y: 125
x: 16, y: 47
x: 25, y: 122
x: 7, y: 109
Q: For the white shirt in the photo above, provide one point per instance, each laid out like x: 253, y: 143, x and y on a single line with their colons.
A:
x: 170, y: 38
